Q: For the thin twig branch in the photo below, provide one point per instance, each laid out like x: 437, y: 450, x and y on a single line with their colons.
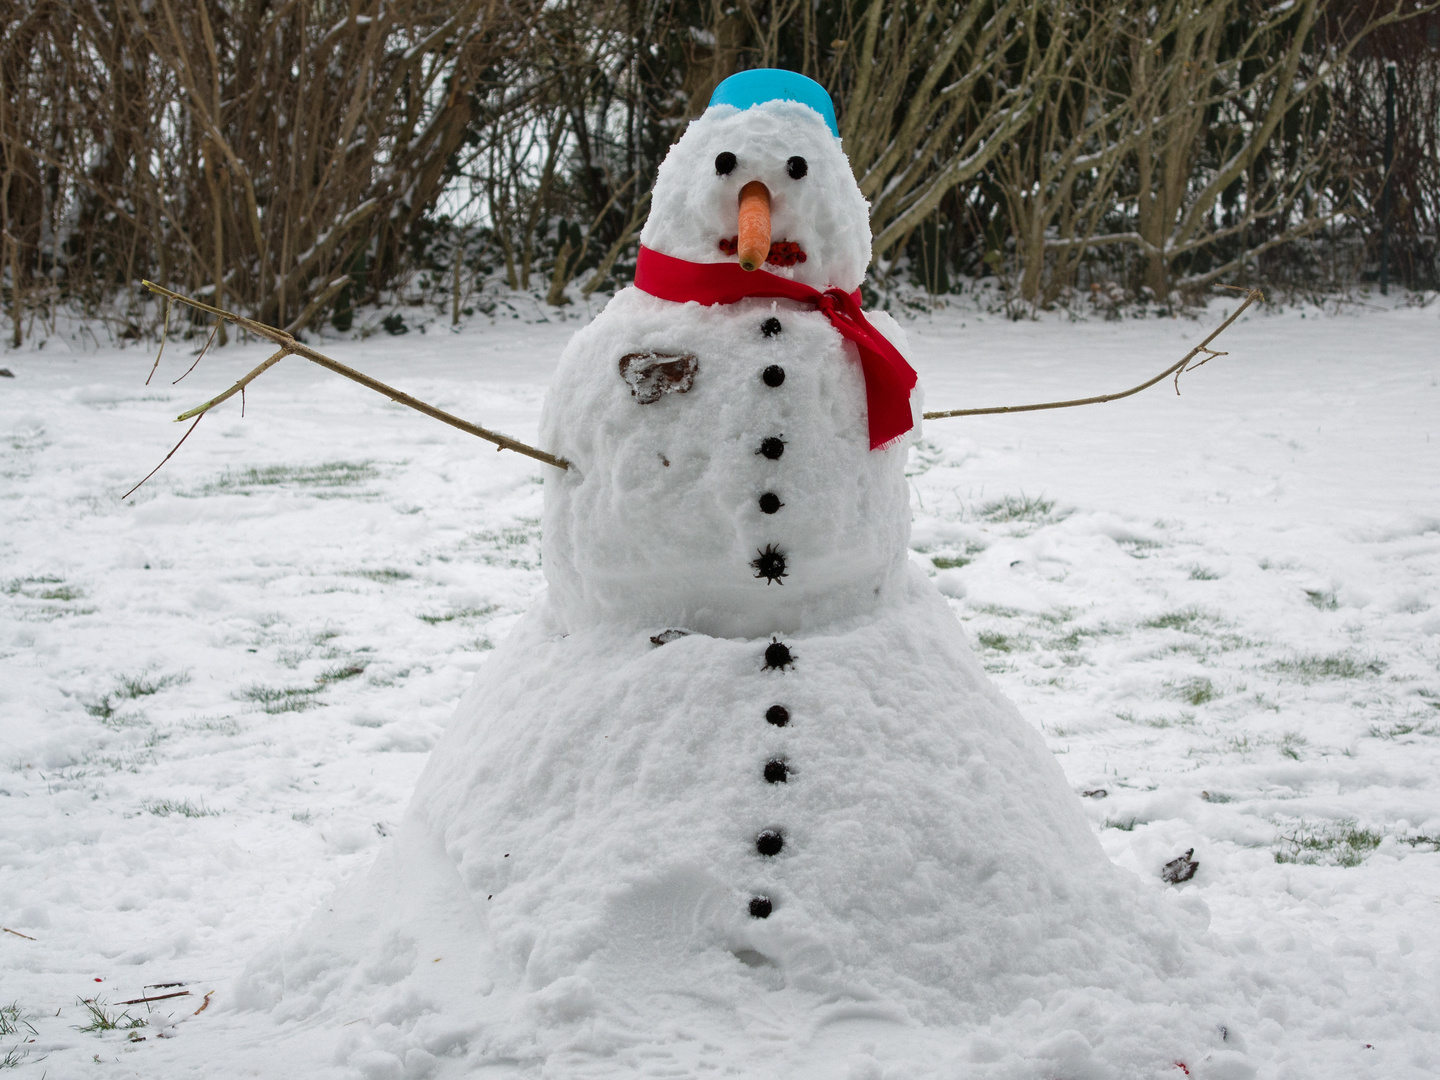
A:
x: 164, y: 333
x: 206, y: 348
x: 199, y: 410
x: 289, y: 345
x: 1177, y: 370
x: 167, y: 457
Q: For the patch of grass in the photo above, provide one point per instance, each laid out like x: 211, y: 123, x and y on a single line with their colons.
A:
x: 102, y: 1019
x: 1123, y: 824
x: 1184, y: 719
x: 225, y: 725
x: 1137, y: 547
x: 1181, y: 719
x: 515, y: 547
x: 14, y: 1058
x: 49, y: 592
x: 12, y: 1019
x: 63, y: 593
x: 1216, y: 797
x: 330, y: 475
x: 1016, y: 508
x: 104, y: 709
x: 947, y: 562
x: 183, y: 807
x: 121, y: 762
x: 1184, y: 620
x: 1242, y: 744
x: 26, y: 586
x: 1338, y: 843
x: 1203, y: 573
x: 1314, y: 667
x: 302, y: 816
x: 993, y: 639
x: 144, y: 686
x: 339, y: 673
x: 1067, y: 642
x: 458, y: 613
x: 1403, y: 727
x: 1323, y: 601
x: 282, y: 699
x: 385, y: 577
x: 1290, y: 744
x: 998, y: 611
x: 1196, y: 691
x: 129, y: 688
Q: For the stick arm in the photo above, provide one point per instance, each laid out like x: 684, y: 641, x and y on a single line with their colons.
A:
x: 289, y: 346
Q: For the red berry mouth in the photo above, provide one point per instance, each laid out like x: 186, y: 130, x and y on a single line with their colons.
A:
x: 782, y: 252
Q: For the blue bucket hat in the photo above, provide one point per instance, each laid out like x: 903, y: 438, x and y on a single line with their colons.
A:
x: 759, y: 85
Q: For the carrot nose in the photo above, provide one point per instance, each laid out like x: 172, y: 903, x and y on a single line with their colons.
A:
x: 753, y: 245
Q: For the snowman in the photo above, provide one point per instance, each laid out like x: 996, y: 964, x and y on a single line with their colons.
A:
x: 737, y: 779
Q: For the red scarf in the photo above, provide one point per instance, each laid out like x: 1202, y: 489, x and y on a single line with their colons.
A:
x: 888, y: 378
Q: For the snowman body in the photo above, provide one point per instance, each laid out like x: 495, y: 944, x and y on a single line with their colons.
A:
x: 674, y: 501
x: 739, y: 761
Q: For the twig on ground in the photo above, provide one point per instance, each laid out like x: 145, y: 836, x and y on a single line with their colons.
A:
x: 17, y: 933
x: 1175, y: 369
x: 164, y: 333
x: 289, y: 345
x: 156, y: 997
x: 204, y: 1004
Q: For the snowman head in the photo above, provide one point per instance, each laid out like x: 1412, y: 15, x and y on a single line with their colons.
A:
x: 760, y: 179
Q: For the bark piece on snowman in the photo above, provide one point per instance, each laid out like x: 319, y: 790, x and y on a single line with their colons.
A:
x: 652, y: 375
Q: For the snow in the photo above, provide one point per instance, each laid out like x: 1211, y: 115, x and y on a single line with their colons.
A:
x: 1220, y: 609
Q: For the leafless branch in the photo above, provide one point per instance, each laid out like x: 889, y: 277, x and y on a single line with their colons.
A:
x: 1176, y: 369
x: 290, y: 346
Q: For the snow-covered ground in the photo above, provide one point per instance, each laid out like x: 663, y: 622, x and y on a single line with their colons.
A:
x: 1223, y: 610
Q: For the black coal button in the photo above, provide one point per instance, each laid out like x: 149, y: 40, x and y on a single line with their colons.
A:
x: 776, y: 771
x: 773, y: 375
x: 769, y: 842
x: 724, y: 163
x: 797, y: 167
x: 777, y: 655
x: 778, y: 715
x: 769, y: 564
x: 760, y: 907
x: 770, y: 327
x: 772, y: 448
x: 770, y: 502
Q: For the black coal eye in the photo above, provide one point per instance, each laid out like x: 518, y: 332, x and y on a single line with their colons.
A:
x: 796, y: 167
x: 725, y: 163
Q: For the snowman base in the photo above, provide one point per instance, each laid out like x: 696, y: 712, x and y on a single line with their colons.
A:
x: 575, y: 879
